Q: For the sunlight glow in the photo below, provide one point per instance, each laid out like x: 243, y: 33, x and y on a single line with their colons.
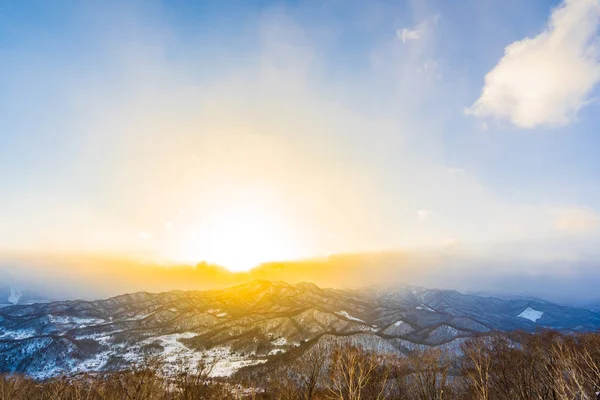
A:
x: 240, y: 236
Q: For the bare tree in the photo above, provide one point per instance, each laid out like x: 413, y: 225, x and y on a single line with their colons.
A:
x: 192, y: 380
x: 56, y: 389
x: 354, y: 372
x: 309, y: 368
x: 477, y: 366
x: 574, y: 374
x: 142, y: 382
x: 15, y: 387
x: 400, y: 378
x: 430, y: 371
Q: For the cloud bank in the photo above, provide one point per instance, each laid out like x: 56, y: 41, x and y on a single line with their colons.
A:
x: 547, y: 79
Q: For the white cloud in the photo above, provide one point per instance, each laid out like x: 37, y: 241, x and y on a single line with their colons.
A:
x: 417, y: 32
x: 422, y: 215
x: 407, y: 34
x: 144, y: 235
x: 545, y: 80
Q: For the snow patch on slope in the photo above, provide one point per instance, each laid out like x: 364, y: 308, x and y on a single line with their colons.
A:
x: 18, y: 334
x: 224, y: 361
x: 82, y: 322
x: 425, y: 307
x: 282, y: 341
x: 350, y: 317
x: 399, y: 328
x: 531, y: 314
x: 443, y: 333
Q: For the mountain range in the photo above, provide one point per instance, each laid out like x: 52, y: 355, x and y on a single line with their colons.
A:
x: 257, y: 323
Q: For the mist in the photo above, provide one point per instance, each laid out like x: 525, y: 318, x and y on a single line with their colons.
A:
x: 61, y: 277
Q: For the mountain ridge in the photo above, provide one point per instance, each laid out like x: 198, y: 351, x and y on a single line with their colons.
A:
x: 250, y: 323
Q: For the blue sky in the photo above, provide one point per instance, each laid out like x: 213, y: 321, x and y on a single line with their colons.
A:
x: 332, y: 126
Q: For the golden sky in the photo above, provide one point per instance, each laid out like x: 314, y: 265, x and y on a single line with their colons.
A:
x: 243, y: 134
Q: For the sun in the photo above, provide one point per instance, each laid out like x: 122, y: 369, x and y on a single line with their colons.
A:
x: 240, y: 237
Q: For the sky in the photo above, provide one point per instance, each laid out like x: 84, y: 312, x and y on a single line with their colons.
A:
x: 239, y: 132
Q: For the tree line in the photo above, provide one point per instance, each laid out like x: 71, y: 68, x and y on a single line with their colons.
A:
x: 520, y: 366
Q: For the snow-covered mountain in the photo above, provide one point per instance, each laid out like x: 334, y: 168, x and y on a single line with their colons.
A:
x: 255, y: 323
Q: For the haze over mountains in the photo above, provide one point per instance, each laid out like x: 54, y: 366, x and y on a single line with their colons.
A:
x: 256, y: 323
x: 63, y: 277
